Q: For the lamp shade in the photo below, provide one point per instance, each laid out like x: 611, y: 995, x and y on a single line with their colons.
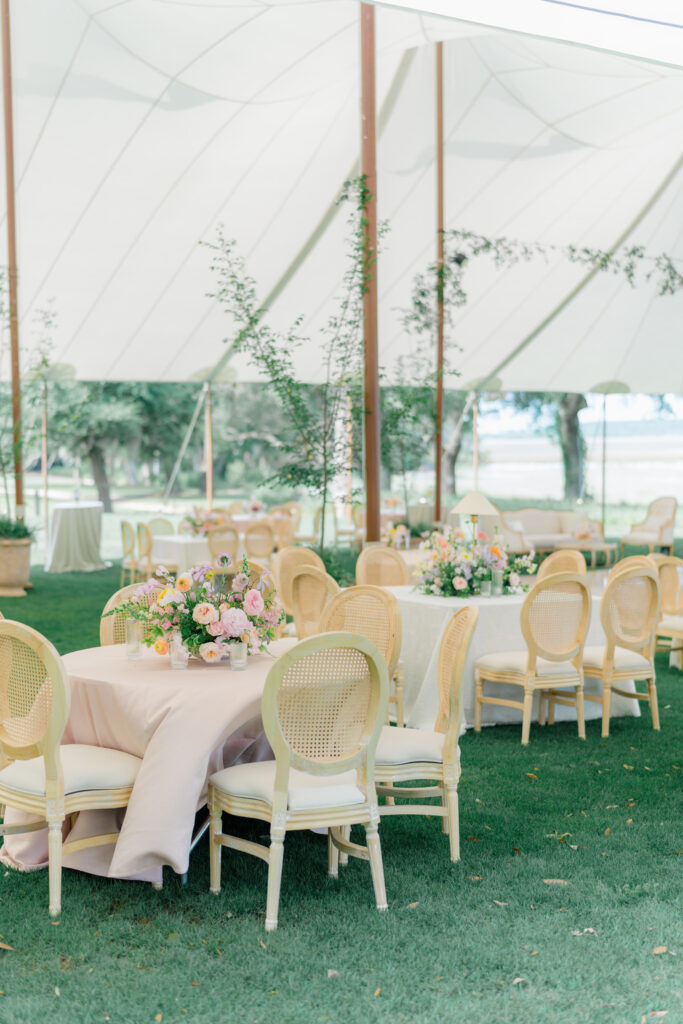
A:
x: 475, y: 503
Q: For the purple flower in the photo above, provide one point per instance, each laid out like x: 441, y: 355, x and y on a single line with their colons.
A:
x: 224, y: 560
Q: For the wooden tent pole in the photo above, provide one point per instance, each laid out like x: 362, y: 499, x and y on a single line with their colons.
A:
x: 438, y: 438
x: 604, y: 458
x: 208, y: 447
x: 475, y: 444
x: 43, y: 465
x: 371, y: 369
x: 12, y: 259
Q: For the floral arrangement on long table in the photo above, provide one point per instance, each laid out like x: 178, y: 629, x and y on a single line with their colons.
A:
x: 205, y: 611
x: 453, y: 568
x: 202, y: 521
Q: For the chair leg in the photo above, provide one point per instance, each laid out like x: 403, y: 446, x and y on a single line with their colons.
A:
x: 478, y: 694
x: 580, y: 718
x: 215, y: 850
x: 453, y: 822
x: 398, y: 690
x: 277, y: 849
x: 445, y: 827
x: 375, y: 851
x: 346, y: 835
x: 332, y: 856
x: 654, y: 706
x: 526, y: 719
x: 542, y: 706
x: 551, y: 709
x: 606, y: 708
x: 54, y: 847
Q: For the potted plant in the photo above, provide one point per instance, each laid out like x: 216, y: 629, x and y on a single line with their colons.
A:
x: 15, y: 548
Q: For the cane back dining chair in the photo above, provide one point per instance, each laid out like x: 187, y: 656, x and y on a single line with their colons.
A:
x: 323, y: 706
x: 145, y: 541
x: 259, y: 541
x: 44, y: 778
x: 312, y: 590
x: 223, y: 540
x: 372, y: 612
x: 129, y: 564
x: 382, y: 567
x: 669, y: 635
x: 554, y: 620
x: 284, y: 528
x: 629, y: 613
x: 113, y: 627
x: 285, y: 563
x: 631, y: 562
x: 417, y: 755
x: 160, y: 527
x: 567, y: 560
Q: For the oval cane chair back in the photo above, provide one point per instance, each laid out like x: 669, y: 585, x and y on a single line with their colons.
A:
x: 185, y: 526
x: 453, y: 650
x: 562, y: 561
x: 670, y: 571
x: 128, y: 539
x: 113, y: 627
x: 235, y: 508
x: 285, y: 564
x: 259, y: 540
x: 312, y: 590
x: 554, y: 618
x: 160, y: 527
x: 223, y: 539
x: 285, y: 528
x: 278, y: 510
x: 145, y: 543
x: 629, y: 610
x: 34, y: 697
x: 631, y: 562
x: 324, y: 703
x: 294, y: 509
x: 382, y: 567
x: 367, y: 611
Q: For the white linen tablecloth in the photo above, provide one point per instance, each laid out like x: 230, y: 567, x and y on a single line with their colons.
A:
x: 75, y: 538
x: 183, y: 550
x: 424, y: 618
x: 184, y: 724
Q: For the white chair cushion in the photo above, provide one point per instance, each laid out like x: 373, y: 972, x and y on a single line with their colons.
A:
x: 638, y: 537
x: 85, y: 768
x: 306, y: 792
x: 674, y: 622
x: 403, y: 746
x: 624, y: 659
x: 516, y: 661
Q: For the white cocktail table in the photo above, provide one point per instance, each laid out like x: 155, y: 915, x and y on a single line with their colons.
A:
x: 75, y: 538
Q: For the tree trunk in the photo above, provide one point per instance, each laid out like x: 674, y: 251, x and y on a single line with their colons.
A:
x: 571, y: 443
x: 99, y: 472
x: 451, y: 452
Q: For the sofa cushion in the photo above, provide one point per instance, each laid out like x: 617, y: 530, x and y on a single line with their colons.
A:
x: 539, y: 520
x: 548, y: 540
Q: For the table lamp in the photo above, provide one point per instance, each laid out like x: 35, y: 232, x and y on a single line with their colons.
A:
x: 475, y: 504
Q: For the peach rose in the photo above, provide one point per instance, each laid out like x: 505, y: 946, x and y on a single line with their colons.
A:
x: 160, y: 646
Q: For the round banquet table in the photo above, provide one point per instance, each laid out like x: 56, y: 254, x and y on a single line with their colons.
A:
x: 424, y: 618
x: 75, y: 538
x: 184, y: 724
x: 184, y: 550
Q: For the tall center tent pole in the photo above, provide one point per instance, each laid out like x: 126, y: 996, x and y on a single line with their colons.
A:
x: 12, y: 258
x: 371, y: 368
x: 438, y: 437
x: 208, y: 447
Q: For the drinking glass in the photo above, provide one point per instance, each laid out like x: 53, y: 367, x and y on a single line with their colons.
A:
x: 497, y: 575
x: 485, y: 588
x: 179, y: 654
x: 133, y: 639
x: 238, y: 656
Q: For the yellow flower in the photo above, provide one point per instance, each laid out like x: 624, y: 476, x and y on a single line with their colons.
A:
x: 209, y: 574
x: 160, y: 646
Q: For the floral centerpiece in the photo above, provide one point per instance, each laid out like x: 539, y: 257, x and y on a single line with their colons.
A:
x: 452, y: 568
x: 204, y: 611
x: 255, y: 505
x: 202, y: 521
x: 397, y: 536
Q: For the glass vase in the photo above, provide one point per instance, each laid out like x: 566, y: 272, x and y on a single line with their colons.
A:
x: 238, y: 656
x: 178, y: 653
x: 497, y: 580
x: 485, y: 588
x: 133, y: 639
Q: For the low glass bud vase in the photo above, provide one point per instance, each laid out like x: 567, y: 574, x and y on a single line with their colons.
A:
x: 133, y: 639
x: 497, y: 581
x: 238, y: 656
x: 485, y: 588
x: 178, y: 654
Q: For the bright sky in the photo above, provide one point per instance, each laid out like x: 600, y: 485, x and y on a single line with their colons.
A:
x: 496, y: 419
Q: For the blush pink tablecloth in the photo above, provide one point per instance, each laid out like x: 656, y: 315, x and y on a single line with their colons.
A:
x: 185, y: 725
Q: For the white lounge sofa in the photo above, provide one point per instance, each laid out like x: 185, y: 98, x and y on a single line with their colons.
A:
x: 656, y: 530
x: 538, y: 529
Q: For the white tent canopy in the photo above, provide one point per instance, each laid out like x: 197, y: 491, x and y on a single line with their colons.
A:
x: 141, y: 125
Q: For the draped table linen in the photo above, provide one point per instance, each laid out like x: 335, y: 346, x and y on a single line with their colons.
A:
x: 75, y: 538
x: 184, y: 724
x: 424, y: 618
x: 183, y: 550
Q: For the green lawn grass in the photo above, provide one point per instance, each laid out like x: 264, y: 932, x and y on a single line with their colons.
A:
x: 604, y: 816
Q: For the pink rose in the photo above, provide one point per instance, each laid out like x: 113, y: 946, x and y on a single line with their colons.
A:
x: 215, y: 628
x: 234, y: 622
x: 459, y: 583
x: 204, y: 613
x: 253, y: 602
x: 514, y: 579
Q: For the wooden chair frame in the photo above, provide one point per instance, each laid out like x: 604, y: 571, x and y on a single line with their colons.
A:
x: 445, y: 774
x: 665, y: 525
x: 285, y: 563
x: 369, y: 566
x: 264, y: 535
x: 328, y: 588
x: 393, y: 640
x: 54, y: 806
x: 564, y: 560
x: 529, y: 680
x: 669, y: 638
x: 160, y: 527
x: 129, y: 563
x: 223, y: 539
x: 110, y: 629
x: 609, y: 674
x: 280, y: 817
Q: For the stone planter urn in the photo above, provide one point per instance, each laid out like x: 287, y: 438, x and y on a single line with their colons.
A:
x: 14, y: 566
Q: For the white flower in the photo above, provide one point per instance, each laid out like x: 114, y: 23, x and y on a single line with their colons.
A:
x: 170, y: 596
x: 211, y: 651
x: 204, y: 613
